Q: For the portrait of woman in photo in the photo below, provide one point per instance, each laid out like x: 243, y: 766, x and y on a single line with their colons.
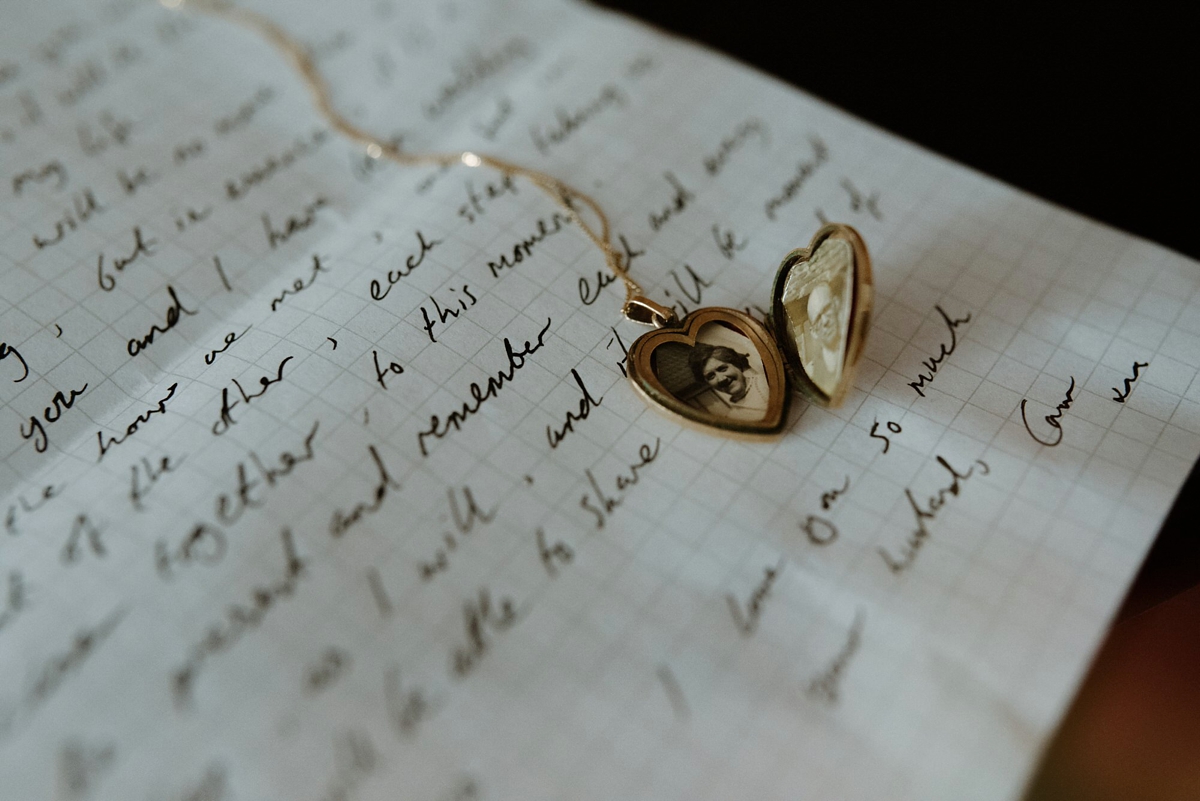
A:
x: 729, y: 374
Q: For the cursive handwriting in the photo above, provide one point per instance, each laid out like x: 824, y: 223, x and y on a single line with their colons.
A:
x: 480, y: 618
x: 294, y: 224
x: 7, y: 350
x: 474, y: 207
x: 1051, y: 419
x: 620, y: 343
x: 747, y: 622
x: 714, y: 163
x: 464, y: 526
x: 236, y: 188
x: 413, y: 261
x: 858, y: 201
x: 51, y: 414
x: 136, y: 346
x: 552, y: 555
x: 152, y: 475
x: 46, y: 494
x: 523, y: 249
x: 230, y: 338
x: 239, y: 620
x: 678, y: 203
x: 82, y: 527
x: 476, y: 68
x: 828, y: 498
x: 130, y: 184
x: 61, y: 667
x: 694, y: 293
x: 439, y: 428
x: 226, y: 419
x: 608, y: 503
x: 132, y: 428
x: 568, y: 122
x: 37, y: 175
x: 141, y: 247
x: 1119, y: 396
x: 83, y: 207
x: 355, y: 757
x: 804, y: 171
x: 407, y: 707
x: 298, y: 285
x: 380, y: 373
x: 448, y: 313
x: 341, y: 521
x: 918, y: 536
x: 827, y: 686
x: 206, y: 543
x: 933, y: 363
x: 727, y: 241
x: 586, y: 403
x: 604, y: 277
x: 245, y: 112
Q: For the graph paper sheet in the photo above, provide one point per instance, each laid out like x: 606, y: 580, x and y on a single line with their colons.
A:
x: 322, y: 478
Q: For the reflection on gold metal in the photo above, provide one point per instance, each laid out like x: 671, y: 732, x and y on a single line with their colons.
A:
x: 820, y: 311
x: 717, y: 368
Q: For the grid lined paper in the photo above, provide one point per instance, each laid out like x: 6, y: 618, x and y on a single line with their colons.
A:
x: 618, y: 670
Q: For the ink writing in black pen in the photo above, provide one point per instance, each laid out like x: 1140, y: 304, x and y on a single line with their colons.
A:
x: 414, y: 260
x: 586, y: 404
x: 294, y: 224
x: 918, y: 536
x: 887, y: 442
x: 727, y: 241
x: 1053, y: 419
x: 448, y: 313
x: 142, y: 246
x: 173, y: 316
x: 7, y: 350
x: 747, y: 621
x: 1120, y: 396
x: 230, y: 338
x: 298, y: 285
x: 381, y: 373
x: 51, y: 414
x: 603, y: 504
x: 588, y: 295
x: 341, y: 521
x: 145, y: 474
x: 23, y: 507
x: 226, y: 418
x: 440, y: 428
x: 934, y: 363
x: 133, y: 427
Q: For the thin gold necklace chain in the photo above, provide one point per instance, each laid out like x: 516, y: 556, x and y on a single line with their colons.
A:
x: 637, y: 308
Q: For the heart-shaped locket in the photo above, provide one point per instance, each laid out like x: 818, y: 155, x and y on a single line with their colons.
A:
x: 716, y: 368
x: 820, y: 310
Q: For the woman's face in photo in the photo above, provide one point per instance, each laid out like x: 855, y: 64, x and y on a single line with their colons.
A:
x: 724, y: 377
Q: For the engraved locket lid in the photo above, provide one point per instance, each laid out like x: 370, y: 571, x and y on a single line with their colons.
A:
x: 820, y: 310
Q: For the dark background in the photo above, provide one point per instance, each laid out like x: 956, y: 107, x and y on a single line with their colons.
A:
x: 1086, y: 109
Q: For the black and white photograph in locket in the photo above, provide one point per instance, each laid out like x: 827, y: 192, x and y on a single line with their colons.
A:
x: 722, y: 374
